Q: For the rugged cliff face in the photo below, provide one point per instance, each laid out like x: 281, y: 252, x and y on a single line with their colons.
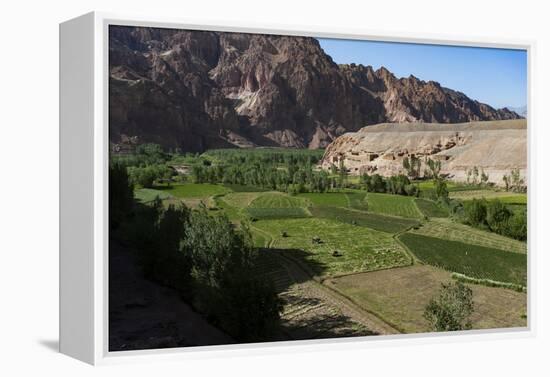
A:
x: 194, y: 90
x: 497, y: 147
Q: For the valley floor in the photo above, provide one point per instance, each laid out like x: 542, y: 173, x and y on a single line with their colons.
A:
x: 346, y: 263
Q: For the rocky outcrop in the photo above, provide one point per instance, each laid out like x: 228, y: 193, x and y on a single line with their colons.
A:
x: 193, y: 90
x: 496, y: 147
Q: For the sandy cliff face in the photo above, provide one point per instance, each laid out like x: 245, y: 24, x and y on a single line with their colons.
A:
x: 195, y: 90
x: 496, y: 147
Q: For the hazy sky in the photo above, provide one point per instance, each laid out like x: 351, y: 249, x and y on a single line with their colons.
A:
x: 497, y: 77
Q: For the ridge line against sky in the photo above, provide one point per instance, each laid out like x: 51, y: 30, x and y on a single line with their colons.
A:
x: 497, y: 77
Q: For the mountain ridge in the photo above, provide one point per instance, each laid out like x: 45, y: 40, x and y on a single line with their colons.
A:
x: 194, y: 90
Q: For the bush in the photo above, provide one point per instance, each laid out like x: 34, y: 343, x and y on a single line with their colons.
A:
x: 451, y: 310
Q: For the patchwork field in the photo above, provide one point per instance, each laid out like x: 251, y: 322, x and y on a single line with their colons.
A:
x: 400, y: 295
x: 503, y: 196
x: 359, y: 248
x: 374, y: 221
x: 453, y: 231
x: 430, y: 208
x: 278, y: 200
x: 394, y: 205
x: 472, y: 260
x: 335, y: 199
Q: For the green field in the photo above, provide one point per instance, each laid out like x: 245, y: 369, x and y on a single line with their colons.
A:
x: 278, y: 200
x: 194, y: 190
x: 430, y: 208
x: 471, y: 260
x: 357, y: 200
x: 145, y: 195
x: 400, y: 295
x: 278, y: 213
x: 335, y: 199
x: 394, y: 205
x: 374, y: 221
x: 504, y: 196
x: 453, y: 231
x: 240, y: 199
x: 361, y: 249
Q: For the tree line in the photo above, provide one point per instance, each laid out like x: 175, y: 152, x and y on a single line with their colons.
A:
x: 496, y: 217
x: 205, y: 258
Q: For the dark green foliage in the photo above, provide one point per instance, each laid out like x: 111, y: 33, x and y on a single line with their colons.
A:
x: 516, y: 226
x: 451, y: 310
x: 496, y: 217
x: 398, y: 184
x: 146, y: 176
x: 370, y: 220
x: 249, y: 307
x: 121, y: 195
x: 203, y: 257
x: 475, y: 212
x: 440, y: 190
x: 471, y: 260
x: 243, y: 304
x: 284, y: 170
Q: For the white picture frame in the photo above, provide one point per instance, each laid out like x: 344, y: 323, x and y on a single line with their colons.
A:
x: 84, y: 191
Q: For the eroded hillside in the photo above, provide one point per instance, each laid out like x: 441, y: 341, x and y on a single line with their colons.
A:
x: 497, y: 147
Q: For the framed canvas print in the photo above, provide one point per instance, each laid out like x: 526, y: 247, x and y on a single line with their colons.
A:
x: 227, y: 188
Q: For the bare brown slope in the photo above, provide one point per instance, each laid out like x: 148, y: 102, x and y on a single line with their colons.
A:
x: 496, y: 147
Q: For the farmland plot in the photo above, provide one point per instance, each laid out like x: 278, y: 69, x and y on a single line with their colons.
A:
x: 370, y: 220
x: 430, y: 208
x: 394, y: 205
x: 335, y: 199
x: 194, y: 190
x: 471, y: 260
x: 449, y: 230
x: 400, y: 295
x: 359, y: 248
x: 278, y: 200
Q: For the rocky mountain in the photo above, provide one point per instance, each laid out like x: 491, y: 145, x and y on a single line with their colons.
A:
x: 193, y: 90
x: 496, y: 147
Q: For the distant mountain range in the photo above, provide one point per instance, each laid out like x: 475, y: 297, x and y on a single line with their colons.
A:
x: 194, y: 90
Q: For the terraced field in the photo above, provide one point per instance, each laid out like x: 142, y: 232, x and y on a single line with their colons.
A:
x: 278, y: 200
x: 503, y: 196
x: 359, y: 248
x: 472, y: 260
x: 453, y: 231
x: 393, y: 205
x: 374, y: 221
x: 278, y: 213
x: 334, y: 199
